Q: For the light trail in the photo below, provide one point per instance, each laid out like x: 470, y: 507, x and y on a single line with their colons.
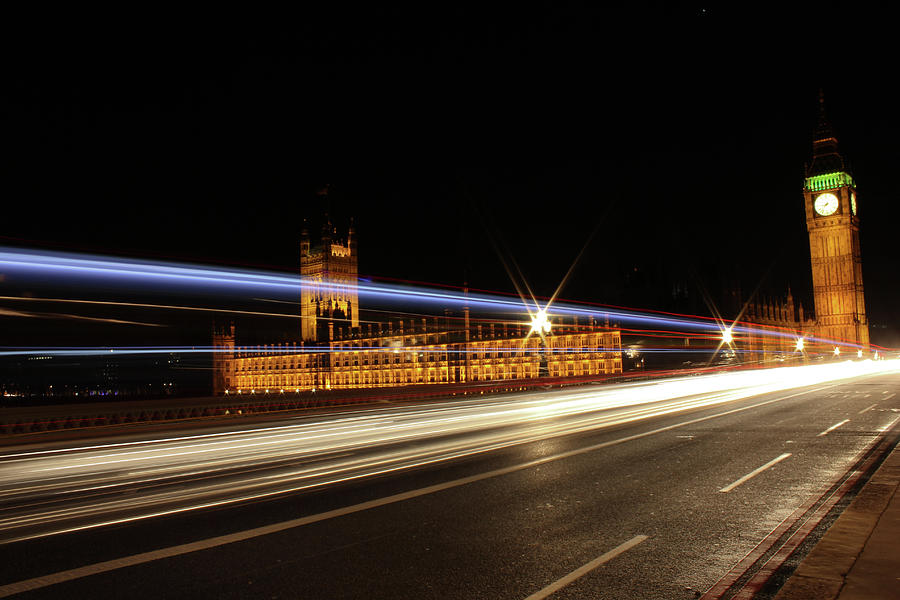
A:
x: 145, y: 305
x: 45, y: 264
x: 43, y: 492
x: 135, y: 273
x: 101, y: 350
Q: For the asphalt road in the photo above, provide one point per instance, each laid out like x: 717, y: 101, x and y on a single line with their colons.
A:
x: 659, y: 498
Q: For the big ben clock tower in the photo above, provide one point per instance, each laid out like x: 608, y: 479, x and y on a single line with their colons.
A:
x: 833, y: 224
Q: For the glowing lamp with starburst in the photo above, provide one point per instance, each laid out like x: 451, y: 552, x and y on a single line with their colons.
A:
x: 540, y: 324
x: 727, y: 336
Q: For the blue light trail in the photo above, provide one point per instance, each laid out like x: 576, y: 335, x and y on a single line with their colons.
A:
x: 64, y: 266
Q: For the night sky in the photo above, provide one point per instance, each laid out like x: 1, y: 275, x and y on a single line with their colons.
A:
x: 673, y: 138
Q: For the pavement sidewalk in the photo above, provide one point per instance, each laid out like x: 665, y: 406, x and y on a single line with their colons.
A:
x: 859, y: 556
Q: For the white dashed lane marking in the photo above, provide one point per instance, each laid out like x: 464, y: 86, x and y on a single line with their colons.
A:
x: 754, y: 473
x: 833, y: 427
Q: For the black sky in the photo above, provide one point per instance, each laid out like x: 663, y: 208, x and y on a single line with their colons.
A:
x: 679, y: 131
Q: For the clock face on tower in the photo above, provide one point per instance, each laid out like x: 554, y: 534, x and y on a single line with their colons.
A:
x: 826, y: 204
x: 853, y: 202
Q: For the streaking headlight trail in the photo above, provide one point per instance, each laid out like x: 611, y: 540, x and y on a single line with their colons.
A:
x: 44, y: 492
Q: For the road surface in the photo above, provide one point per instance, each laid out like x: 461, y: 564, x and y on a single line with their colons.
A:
x: 653, y: 490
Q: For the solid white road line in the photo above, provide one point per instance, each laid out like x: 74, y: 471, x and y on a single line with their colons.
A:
x: 833, y: 427
x: 754, y: 473
x: 145, y: 557
x: 581, y: 571
x: 867, y: 409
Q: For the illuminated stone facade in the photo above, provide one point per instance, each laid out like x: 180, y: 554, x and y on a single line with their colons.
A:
x: 333, y: 261
x: 336, y: 353
x: 418, y: 356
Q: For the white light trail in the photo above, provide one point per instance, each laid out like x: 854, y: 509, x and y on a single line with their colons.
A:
x: 48, y: 491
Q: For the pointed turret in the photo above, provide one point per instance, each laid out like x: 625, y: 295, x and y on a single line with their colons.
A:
x: 791, y: 309
x: 351, y: 237
x: 327, y: 230
x: 826, y: 158
x: 304, y: 241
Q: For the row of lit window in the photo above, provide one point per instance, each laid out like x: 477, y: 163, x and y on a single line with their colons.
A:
x: 432, y: 375
x: 407, y: 357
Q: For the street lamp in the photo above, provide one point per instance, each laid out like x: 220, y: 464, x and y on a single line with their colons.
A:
x: 799, y: 346
x: 727, y: 336
x: 859, y: 353
x: 837, y: 351
x: 540, y: 325
x: 727, y: 339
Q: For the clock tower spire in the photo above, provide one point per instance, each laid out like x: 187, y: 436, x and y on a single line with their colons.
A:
x: 830, y: 201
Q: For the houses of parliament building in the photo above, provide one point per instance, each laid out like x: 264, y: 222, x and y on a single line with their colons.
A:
x: 336, y: 351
